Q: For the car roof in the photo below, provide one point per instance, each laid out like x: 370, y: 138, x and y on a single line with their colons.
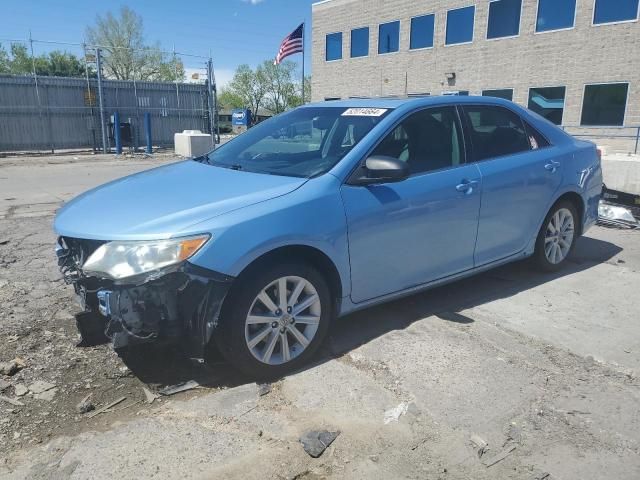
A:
x: 411, y: 102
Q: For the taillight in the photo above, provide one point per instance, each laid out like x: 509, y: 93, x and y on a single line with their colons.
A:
x: 599, y: 152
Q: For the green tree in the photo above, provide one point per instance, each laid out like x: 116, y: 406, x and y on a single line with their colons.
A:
x: 228, y: 100
x: 249, y: 86
x: 55, y: 63
x: 5, y: 63
x: 126, y: 55
x: 280, y: 87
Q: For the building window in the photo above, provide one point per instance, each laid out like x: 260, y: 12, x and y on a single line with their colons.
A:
x: 506, y: 93
x: 360, y: 42
x: 548, y: 102
x: 610, y: 11
x: 496, y: 132
x: 422, y: 32
x: 604, y: 105
x: 555, y: 15
x: 389, y: 37
x: 334, y: 46
x: 460, y: 25
x: 504, y: 18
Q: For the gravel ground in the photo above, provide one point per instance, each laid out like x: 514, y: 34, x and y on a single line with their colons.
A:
x: 543, y: 368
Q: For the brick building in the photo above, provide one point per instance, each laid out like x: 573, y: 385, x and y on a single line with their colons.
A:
x: 577, y: 62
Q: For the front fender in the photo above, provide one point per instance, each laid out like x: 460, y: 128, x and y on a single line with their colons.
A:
x: 311, y: 216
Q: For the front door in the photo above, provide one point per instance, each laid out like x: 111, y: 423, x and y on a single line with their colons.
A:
x: 424, y: 228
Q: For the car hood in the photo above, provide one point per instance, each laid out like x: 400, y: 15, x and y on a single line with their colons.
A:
x: 165, y: 201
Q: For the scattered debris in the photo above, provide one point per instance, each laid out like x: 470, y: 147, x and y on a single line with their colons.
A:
x: 107, y: 407
x: 263, y: 389
x: 12, y: 367
x: 499, y: 457
x: 181, y: 387
x: 315, y: 442
x: 39, y: 387
x: 85, y: 405
x: 616, y: 216
x: 480, y: 445
x: 149, y: 395
x: 514, y: 437
x: 541, y: 476
x: 13, y: 402
x: 46, y: 396
x: 20, y: 390
x: 393, y: 414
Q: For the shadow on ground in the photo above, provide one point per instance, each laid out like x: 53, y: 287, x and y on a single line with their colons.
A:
x: 156, y: 365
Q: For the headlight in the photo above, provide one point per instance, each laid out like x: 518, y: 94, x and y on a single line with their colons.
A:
x: 119, y: 260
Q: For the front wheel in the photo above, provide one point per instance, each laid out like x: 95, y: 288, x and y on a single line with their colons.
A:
x: 274, y: 320
x: 557, y: 237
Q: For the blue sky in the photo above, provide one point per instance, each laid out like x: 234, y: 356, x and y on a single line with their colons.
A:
x: 236, y: 31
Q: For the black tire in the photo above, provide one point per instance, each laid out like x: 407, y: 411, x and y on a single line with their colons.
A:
x: 540, y: 259
x: 230, y: 334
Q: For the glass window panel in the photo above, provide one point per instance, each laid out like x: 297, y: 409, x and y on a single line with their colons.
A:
x: 504, y: 18
x: 506, y: 93
x: 548, y: 102
x: 496, y: 132
x: 604, y: 105
x: 555, y: 15
x: 460, y: 25
x: 607, y: 11
x: 422, y: 32
x: 360, y: 42
x: 334, y: 46
x: 389, y: 37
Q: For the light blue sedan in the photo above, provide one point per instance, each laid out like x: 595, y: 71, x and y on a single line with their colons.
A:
x: 319, y: 212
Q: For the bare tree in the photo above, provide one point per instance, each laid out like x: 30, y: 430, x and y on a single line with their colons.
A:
x: 127, y: 56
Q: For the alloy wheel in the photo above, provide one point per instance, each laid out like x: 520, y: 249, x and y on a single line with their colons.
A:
x: 559, y: 236
x: 282, y: 320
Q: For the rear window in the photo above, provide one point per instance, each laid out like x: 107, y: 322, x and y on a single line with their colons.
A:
x: 495, y: 132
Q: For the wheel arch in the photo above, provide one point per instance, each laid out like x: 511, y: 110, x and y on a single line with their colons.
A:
x: 577, y: 201
x: 303, y: 254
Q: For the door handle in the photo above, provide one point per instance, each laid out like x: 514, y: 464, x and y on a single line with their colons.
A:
x: 466, y: 186
x: 552, y: 166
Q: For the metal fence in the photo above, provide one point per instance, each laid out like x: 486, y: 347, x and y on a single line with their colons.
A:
x: 52, y: 113
x: 614, y: 139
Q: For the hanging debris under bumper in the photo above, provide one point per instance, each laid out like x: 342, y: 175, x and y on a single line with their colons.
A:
x: 179, y: 304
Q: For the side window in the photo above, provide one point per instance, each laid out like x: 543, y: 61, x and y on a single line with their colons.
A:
x: 427, y: 140
x: 495, y: 132
x: 536, y: 139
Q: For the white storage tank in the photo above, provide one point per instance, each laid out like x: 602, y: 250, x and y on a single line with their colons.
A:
x: 192, y: 143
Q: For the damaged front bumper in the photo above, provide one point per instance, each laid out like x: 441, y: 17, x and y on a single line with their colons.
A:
x: 181, y: 303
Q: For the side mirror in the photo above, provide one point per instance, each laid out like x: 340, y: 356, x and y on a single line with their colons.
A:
x: 380, y: 169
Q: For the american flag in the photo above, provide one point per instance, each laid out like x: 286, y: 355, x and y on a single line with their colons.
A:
x: 291, y: 45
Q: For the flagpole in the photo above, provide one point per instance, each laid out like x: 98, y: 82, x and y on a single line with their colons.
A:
x: 303, y: 49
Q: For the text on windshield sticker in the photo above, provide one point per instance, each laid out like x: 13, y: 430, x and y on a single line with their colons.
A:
x: 364, y: 112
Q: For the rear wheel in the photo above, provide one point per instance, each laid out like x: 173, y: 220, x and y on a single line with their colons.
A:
x: 274, y: 320
x: 557, y: 237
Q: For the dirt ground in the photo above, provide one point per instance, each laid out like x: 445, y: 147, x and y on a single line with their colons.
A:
x: 543, y: 368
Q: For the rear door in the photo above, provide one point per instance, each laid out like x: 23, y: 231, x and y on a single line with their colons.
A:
x: 519, y: 179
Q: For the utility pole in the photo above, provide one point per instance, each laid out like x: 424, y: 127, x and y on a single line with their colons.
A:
x: 211, y: 102
x: 102, y: 123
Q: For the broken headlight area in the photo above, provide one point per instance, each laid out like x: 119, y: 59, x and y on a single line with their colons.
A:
x: 180, y: 302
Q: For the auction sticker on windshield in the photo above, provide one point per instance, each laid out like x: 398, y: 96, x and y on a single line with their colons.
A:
x: 364, y: 112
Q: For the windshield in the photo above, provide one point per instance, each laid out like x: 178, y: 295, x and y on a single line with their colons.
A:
x: 301, y: 143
